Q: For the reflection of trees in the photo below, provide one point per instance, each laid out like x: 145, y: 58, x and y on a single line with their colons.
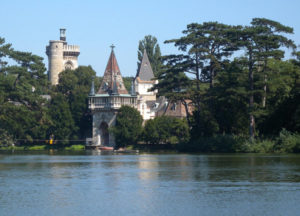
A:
x: 214, y: 168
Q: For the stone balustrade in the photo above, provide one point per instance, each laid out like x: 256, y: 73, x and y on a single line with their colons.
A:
x: 111, y: 102
x: 71, y: 48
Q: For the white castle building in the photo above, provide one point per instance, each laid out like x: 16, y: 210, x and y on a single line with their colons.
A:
x: 61, y: 56
x: 143, y: 82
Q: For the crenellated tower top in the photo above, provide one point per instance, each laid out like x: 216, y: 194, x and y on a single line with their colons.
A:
x: 61, y: 56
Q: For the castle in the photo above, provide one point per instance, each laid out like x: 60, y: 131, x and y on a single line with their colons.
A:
x: 104, y: 103
x: 112, y: 94
x: 61, y: 56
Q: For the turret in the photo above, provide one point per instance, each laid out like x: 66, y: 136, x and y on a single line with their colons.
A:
x: 55, y: 55
x: 62, y: 34
x: 61, y: 56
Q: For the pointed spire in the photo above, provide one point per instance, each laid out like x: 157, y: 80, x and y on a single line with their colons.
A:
x: 112, y: 78
x: 145, y: 72
x: 92, y: 92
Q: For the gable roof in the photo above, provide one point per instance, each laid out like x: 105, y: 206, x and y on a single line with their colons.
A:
x: 112, y: 79
x: 145, y: 72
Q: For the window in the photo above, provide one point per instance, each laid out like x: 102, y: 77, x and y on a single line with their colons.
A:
x: 173, y: 107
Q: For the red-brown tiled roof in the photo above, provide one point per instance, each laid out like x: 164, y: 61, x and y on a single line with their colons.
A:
x: 112, y: 76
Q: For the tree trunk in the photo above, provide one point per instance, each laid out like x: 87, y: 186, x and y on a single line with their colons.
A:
x: 212, y: 76
x: 197, y: 73
x: 264, y: 99
x: 251, y: 98
x: 198, y: 83
x: 186, y: 107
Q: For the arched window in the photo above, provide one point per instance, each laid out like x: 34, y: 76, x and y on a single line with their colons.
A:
x: 69, y: 65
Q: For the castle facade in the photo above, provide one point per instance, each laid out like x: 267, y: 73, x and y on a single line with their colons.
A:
x: 105, y: 103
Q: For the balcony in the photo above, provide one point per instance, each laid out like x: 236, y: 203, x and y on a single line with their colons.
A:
x: 108, y: 102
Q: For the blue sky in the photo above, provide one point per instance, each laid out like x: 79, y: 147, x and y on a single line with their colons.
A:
x: 95, y: 24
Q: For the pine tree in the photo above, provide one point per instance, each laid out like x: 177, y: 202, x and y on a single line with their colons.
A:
x: 261, y: 40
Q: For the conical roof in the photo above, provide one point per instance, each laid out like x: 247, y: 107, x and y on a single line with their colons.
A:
x: 145, y: 72
x: 112, y: 79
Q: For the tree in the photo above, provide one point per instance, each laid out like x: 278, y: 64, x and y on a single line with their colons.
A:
x: 5, y: 138
x: 149, y: 43
x: 127, y: 83
x: 63, y: 126
x: 174, y: 84
x: 261, y: 41
x: 4, y: 50
x: 150, y: 133
x: 283, y: 105
x: 204, y: 46
x: 166, y: 129
x: 228, y: 99
x: 75, y: 86
x: 269, y: 41
x: 22, y: 82
x: 211, y: 42
x: 128, y: 128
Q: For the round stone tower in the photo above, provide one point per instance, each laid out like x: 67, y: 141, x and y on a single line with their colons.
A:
x: 61, y: 56
x: 55, y: 58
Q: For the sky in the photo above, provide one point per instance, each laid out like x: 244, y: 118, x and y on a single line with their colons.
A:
x: 96, y: 24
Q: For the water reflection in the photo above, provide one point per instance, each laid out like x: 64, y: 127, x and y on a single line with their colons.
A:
x: 146, y: 184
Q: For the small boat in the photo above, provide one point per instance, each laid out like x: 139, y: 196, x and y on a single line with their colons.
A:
x: 106, y: 148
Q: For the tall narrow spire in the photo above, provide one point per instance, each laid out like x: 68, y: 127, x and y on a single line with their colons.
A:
x: 112, y: 78
x: 145, y: 72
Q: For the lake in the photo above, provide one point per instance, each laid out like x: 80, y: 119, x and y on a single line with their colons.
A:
x: 91, y: 183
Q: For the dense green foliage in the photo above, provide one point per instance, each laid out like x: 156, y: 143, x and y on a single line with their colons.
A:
x: 23, y: 114
x: 75, y: 85
x: 128, y: 127
x: 5, y: 138
x: 255, y: 94
x: 245, y: 94
x: 165, y: 129
x: 26, y: 115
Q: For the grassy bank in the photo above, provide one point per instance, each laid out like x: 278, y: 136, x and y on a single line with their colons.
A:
x: 42, y: 148
x: 286, y: 142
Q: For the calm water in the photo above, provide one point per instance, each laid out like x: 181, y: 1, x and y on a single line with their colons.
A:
x: 149, y: 184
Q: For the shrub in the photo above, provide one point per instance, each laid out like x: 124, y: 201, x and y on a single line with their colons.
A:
x: 37, y: 147
x: 166, y: 129
x: 5, y: 138
x: 75, y: 148
x: 128, y: 127
x: 260, y: 146
x: 287, y: 142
